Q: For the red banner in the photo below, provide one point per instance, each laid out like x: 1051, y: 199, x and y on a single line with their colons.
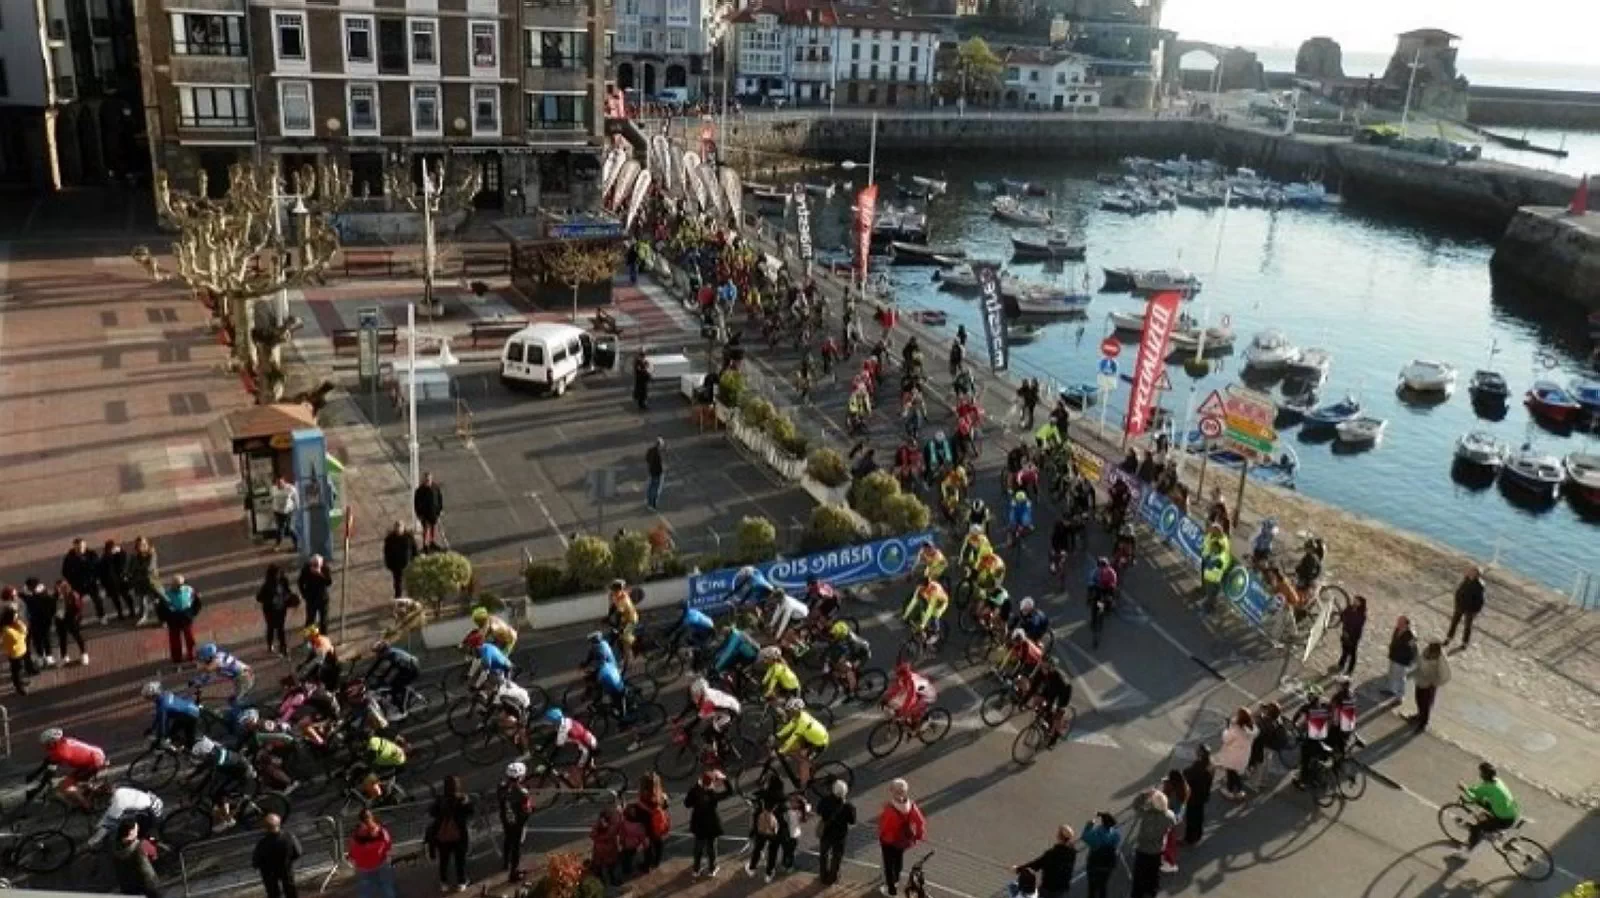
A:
x: 866, y: 211
x: 1160, y: 319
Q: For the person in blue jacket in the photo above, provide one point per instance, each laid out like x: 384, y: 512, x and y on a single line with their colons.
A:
x: 600, y: 653
x: 737, y: 651
x: 1031, y: 620
x: 750, y: 587
x: 1020, y: 514
x: 693, y: 625
x: 490, y: 660
x: 177, y: 718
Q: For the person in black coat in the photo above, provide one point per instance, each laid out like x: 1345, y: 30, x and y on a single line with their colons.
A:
x: 398, y: 550
x: 1469, y: 602
x: 315, y: 583
x: 135, y: 874
x: 428, y: 504
x: 276, y: 597
x: 642, y: 376
x: 40, y: 603
x: 1055, y: 866
x: 835, y: 815
x: 113, y: 574
x: 274, y: 857
x: 1199, y: 776
x: 80, y: 567
x: 705, y: 820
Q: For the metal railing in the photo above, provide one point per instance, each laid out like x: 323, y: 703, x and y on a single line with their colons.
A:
x: 230, y: 857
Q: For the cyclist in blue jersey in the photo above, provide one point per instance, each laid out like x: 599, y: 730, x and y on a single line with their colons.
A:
x: 692, y: 625
x: 738, y: 651
x: 612, y: 689
x: 177, y: 718
x: 490, y: 660
x: 600, y: 652
x: 393, y: 669
x: 1020, y: 513
x: 216, y: 663
x: 750, y: 587
x: 1031, y: 620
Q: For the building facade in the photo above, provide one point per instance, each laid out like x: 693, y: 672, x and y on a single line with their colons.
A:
x: 830, y: 53
x: 664, y: 47
x: 1035, y: 78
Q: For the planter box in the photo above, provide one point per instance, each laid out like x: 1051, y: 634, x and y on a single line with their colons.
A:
x: 757, y: 441
x: 555, y: 613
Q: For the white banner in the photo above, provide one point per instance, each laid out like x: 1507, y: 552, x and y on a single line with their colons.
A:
x: 624, y: 186
x: 733, y: 190
x: 641, y: 187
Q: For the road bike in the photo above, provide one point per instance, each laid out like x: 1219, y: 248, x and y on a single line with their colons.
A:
x: 821, y: 783
x: 916, y: 879
x: 1101, y: 602
x: 1335, y: 776
x: 1003, y: 702
x: 1039, y: 734
x: 885, y: 738
x: 687, y: 753
x: 826, y: 689
x: 37, y: 853
x: 192, y: 823
x: 43, y: 808
x: 1527, y: 859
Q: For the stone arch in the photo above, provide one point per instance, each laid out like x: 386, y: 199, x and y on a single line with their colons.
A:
x: 1013, y: 97
x: 625, y: 76
x: 1240, y: 69
x: 649, y: 85
x: 677, y: 75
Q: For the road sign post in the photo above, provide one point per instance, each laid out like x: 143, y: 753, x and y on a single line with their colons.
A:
x: 1110, y: 347
x: 367, y: 363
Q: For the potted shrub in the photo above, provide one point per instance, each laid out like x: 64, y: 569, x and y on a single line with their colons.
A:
x: 630, y: 555
x: 870, y: 494
x: 730, y: 390
x: 756, y: 540
x: 565, y: 876
x: 544, y: 580
x: 589, y: 563
x: 832, y: 525
x: 755, y: 412
x: 827, y: 476
x: 905, y: 513
x: 790, y: 444
x: 437, y: 577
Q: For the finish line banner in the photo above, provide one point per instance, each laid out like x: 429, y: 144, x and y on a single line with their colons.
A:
x: 845, y: 566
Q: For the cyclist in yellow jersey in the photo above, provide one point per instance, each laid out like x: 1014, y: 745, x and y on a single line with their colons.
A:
x: 780, y: 680
x: 623, y: 615
x: 802, y: 737
x: 384, y: 760
x: 991, y: 570
x: 927, y: 607
x: 495, y: 630
x: 931, y: 562
x: 975, y: 546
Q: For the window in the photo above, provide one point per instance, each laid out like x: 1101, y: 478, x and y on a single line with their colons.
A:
x: 366, y: 175
x: 514, y: 352
x: 559, y: 356
x: 393, y: 54
x: 557, y: 49
x: 874, y: 75
x: 558, y: 112
x: 914, y: 49
x: 214, y: 107
x: 358, y: 40
x: 1072, y: 98
x: 894, y: 53
x: 424, y: 42
x: 291, y: 41
x: 535, y: 354
x: 855, y: 33
x: 897, y: 34
x: 630, y: 7
x: 678, y: 13
x: 648, y: 41
x: 911, y: 74
x: 677, y: 40
x: 874, y: 52
x: 485, y: 111
x: 294, y: 108
x: 855, y: 72
x: 363, y: 99
x: 855, y: 51
x: 1013, y: 73
x: 425, y: 118
x: 197, y: 34
x: 485, y: 53
x: 1033, y: 75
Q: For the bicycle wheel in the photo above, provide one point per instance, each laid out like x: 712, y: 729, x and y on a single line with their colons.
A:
x: 912, y: 651
x: 465, y: 718
x: 643, y: 685
x: 43, y: 852
x: 821, y: 691
x: 1528, y: 859
x: 185, y: 826
x: 1456, y: 820
x: 424, y: 704
x: 1335, y: 595
x: 647, y: 720
x: 575, y: 698
x: 485, y: 747
x: 967, y: 620
x: 1025, y: 748
x: 823, y: 777
x: 604, y: 779
x: 884, y: 738
x: 154, y: 770
x: 666, y: 664
x: 978, y: 650
x: 1349, y: 779
x: 998, y: 706
x: 677, y: 761
x: 935, y: 724
x: 870, y: 685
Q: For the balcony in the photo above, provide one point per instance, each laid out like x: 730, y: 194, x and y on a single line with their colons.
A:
x: 66, y: 88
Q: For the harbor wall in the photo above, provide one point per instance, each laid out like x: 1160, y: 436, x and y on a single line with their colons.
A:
x: 1534, y: 108
x: 1546, y: 247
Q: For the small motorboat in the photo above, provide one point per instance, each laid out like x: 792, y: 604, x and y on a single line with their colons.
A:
x: 1360, y: 430
x: 906, y: 253
x: 1217, y: 339
x: 1480, y: 449
x: 932, y: 186
x: 1313, y: 364
x: 1270, y: 350
x: 1587, y: 393
x: 1132, y: 322
x: 1055, y: 245
x: 1007, y: 208
x: 1488, y: 387
x: 1583, y: 477
x: 1020, y: 333
x: 1426, y: 376
x: 1022, y: 188
x: 1333, y: 414
x: 1293, y: 407
x: 1279, y: 472
x: 1080, y: 396
x: 1119, y: 280
x: 1122, y: 201
x: 1533, y: 471
x: 1551, y: 402
x: 1160, y: 280
x: 1039, y: 301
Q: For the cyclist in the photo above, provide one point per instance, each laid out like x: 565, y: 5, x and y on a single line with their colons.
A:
x: 322, y: 658
x: 909, y: 696
x: 511, y: 703
x: 974, y: 546
x: 623, y: 616
x: 568, y: 731
x: 780, y: 680
x: 495, y: 630
x: 803, y: 738
x: 1121, y: 498
x: 846, y: 652
x: 407, y: 616
x: 824, y: 602
x: 1498, y: 808
x: 694, y: 626
x: 177, y: 718
x: 221, y: 770
x: 600, y: 653
x: 1103, y: 581
x: 925, y: 611
x: 79, y: 761
x: 1019, y: 516
x: 991, y: 571
x: 365, y: 714
x: 1049, y: 684
x: 1261, y: 547
x: 979, y: 516
x: 262, y: 740
x: 1313, y: 721
x: 1083, y: 497
x: 938, y: 461
x: 216, y: 663
x: 750, y: 586
x: 738, y: 651
x: 717, y: 708
x: 786, y: 610
x: 995, y: 609
x: 382, y: 762
x: 1062, y: 540
x: 952, y: 487
x: 1023, y: 655
x: 613, y: 691
x: 125, y: 801
x: 487, y: 660
x: 1126, y: 547
x: 393, y: 669
x: 1031, y: 620
x: 931, y: 562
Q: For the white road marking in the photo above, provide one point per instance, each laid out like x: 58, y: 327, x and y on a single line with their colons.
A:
x: 545, y: 510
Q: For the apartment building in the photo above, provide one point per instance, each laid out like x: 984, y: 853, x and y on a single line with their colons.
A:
x: 68, y: 93
x: 664, y: 47
x: 1038, y: 78
x: 511, y: 89
x: 827, y: 52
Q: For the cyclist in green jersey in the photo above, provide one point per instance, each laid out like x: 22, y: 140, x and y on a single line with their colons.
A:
x: 1499, y: 807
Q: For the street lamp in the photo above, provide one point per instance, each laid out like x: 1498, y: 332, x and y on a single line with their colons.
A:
x: 299, y: 211
x: 872, y: 155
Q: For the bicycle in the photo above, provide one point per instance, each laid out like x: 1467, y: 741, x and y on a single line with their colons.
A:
x: 825, y: 689
x: 37, y: 853
x: 681, y: 757
x: 1002, y: 702
x: 1040, y: 733
x: 192, y: 823
x: 885, y: 738
x: 1101, y: 601
x: 1335, y: 776
x: 590, y: 783
x: 822, y: 776
x: 923, y: 643
x: 1018, y: 533
x: 1527, y: 859
x: 43, y: 808
x: 917, y: 880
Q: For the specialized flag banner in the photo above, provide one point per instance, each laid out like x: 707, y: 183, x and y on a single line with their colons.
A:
x: 802, y: 220
x: 994, y: 319
x: 1160, y: 319
x: 866, y: 211
x: 641, y: 187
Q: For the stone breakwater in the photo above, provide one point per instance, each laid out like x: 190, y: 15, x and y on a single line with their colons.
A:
x: 1554, y: 251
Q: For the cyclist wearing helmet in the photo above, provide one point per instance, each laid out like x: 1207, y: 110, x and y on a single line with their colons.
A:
x: 512, y: 703
x: 365, y: 713
x: 692, y: 626
x: 925, y: 610
x: 990, y: 571
x: 570, y: 732
x: 381, y: 762
x: 931, y: 561
x: 1031, y: 620
x: 393, y: 669
x: 1023, y: 655
x: 215, y: 662
x: 515, y: 800
x: 717, y: 708
x: 322, y: 659
x: 263, y: 741
x: 910, y: 695
x: 973, y: 547
x: 995, y: 609
x: 979, y: 516
x: 845, y: 646
x: 786, y: 610
x: 1019, y: 515
x: 600, y: 653
x: 952, y: 486
x: 822, y: 599
x: 737, y: 651
x: 613, y: 690
x: 495, y: 630
x: 406, y: 616
x: 1498, y: 808
x: 224, y: 774
x: 623, y: 615
x: 1313, y: 721
x: 780, y: 680
x: 1050, y: 686
x: 177, y: 718
x: 78, y: 761
x: 487, y: 661
x: 1343, y: 703
x: 144, y: 806
x: 750, y: 586
x: 802, y: 737
x: 1127, y: 546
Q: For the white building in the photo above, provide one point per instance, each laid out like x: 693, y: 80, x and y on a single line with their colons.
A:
x: 663, y: 47
x: 1036, y: 78
x: 823, y: 52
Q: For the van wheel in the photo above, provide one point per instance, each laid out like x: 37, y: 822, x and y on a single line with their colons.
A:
x: 560, y: 387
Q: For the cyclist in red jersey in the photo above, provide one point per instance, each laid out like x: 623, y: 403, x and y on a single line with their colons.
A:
x: 80, y: 763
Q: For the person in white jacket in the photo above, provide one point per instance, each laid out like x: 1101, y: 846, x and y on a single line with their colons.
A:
x: 1234, y: 756
x: 285, y: 501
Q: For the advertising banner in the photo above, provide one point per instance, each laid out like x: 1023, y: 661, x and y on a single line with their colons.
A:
x: 802, y: 219
x: 1240, y: 586
x: 994, y: 322
x: 846, y: 566
x: 1160, y: 318
x: 866, y: 211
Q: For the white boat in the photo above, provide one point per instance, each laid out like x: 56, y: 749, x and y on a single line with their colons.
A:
x: 1270, y: 350
x: 1007, y: 208
x: 934, y: 187
x: 1157, y: 280
x: 1482, y: 449
x: 1127, y: 321
x: 1534, y: 471
x: 963, y: 278
x: 1583, y: 477
x: 823, y: 190
x: 1425, y: 376
x: 1313, y: 364
x: 1054, y: 245
x: 1218, y: 339
x: 1360, y: 430
x: 1035, y: 301
x: 1122, y: 201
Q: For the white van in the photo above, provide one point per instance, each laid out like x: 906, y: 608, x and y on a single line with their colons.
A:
x: 546, y: 357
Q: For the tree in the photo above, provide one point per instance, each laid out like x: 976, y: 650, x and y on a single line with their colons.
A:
x: 439, y: 194
x: 975, y: 70
x: 232, y: 251
x: 575, y: 263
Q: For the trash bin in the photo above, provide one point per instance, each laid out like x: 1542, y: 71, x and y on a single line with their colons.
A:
x: 605, y: 352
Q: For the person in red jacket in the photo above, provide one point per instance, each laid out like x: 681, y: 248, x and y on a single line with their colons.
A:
x: 900, y: 826
x: 605, y: 851
x: 368, y: 849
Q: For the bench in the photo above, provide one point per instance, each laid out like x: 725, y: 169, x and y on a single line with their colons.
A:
x: 495, y: 328
x: 350, y: 338
x: 484, y: 260
x: 369, y: 260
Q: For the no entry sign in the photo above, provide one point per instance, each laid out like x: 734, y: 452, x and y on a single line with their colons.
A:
x: 1110, y: 347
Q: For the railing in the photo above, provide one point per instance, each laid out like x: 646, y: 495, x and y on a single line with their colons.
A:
x: 230, y: 856
x: 5, y: 728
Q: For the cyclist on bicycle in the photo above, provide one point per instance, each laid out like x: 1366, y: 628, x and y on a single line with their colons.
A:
x: 494, y: 630
x: 931, y: 562
x: 1310, y: 567
x: 263, y: 741
x: 1313, y: 722
x: 824, y: 602
x: 623, y: 615
x: 737, y: 652
x: 511, y: 703
x: 995, y: 609
x: 225, y: 773
x: 79, y: 762
x: 938, y: 460
x: 322, y: 658
x: 1125, y: 549
x: 802, y: 737
x: 600, y: 653
x: 1023, y: 655
x: 718, y: 709
x: 910, y: 695
x: 952, y: 487
x: 1121, y: 498
x: 1083, y: 497
x: 406, y: 616
x: 979, y: 515
x: 990, y: 571
x: 568, y: 731
x: 1019, y: 515
x: 974, y: 546
x: 846, y: 652
x: 382, y: 762
x: 750, y: 587
x: 1261, y: 546
x: 780, y: 680
x: 487, y: 659
x: 1062, y: 540
x: 1049, y: 684
x: 1498, y: 808
x: 216, y: 663
x: 125, y: 801
x: 613, y: 690
x: 1031, y: 620
x: 393, y: 670
x: 786, y: 610
x: 925, y: 610
x: 177, y: 718
x: 693, y: 626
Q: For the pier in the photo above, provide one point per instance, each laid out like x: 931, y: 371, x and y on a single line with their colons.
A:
x: 1552, y: 249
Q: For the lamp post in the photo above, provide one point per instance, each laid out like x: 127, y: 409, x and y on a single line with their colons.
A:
x: 281, y: 306
x: 1411, y: 83
x: 872, y: 155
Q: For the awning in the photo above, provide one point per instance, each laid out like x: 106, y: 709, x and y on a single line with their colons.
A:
x: 266, y: 426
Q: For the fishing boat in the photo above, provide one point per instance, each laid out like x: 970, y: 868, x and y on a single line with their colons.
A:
x: 933, y: 186
x: 1131, y: 322
x: 1426, y: 376
x: 1333, y: 414
x: 1022, y: 188
x: 1217, y: 339
x: 1533, y: 471
x: 1360, y: 430
x: 1021, y: 333
x: 1307, y: 195
x: 1583, y: 477
x: 1488, y: 387
x: 1270, y: 350
x: 1007, y: 208
x: 1549, y: 401
x: 1199, y: 198
x: 1160, y: 280
x: 1039, y: 301
x: 1054, y: 245
x: 1480, y: 449
x: 1587, y: 393
x: 963, y: 278
x: 1080, y: 396
x: 1118, y: 280
x: 1123, y: 201
x: 1313, y: 364
x: 1279, y: 472
x: 922, y: 254
x: 1294, y: 406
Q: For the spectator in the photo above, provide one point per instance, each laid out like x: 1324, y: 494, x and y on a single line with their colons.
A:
x: 1469, y: 601
x: 1103, y: 840
x: 1154, y: 822
x: 40, y: 603
x: 1177, y: 791
x: 653, y: 802
x: 274, y: 857
x: 1198, y: 777
x: 1432, y: 672
x: 515, y: 800
x: 316, y: 582
x: 285, y: 502
x: 605, y: 847
x: 276, y: 597
x: 80, y: 567
x: 69, y: 621
x: 655, y: 466
x: 1026, y: 884
x: 789, y: 828
x: 448, y: 832
x: 705, y: 820
x: 642, y: 375
x: 113, y: 574
x: 179, y: 607
x: 398, y: 549
x: 130, y: 859
x: 836, y: 815
x: 368, y: 849
x: 1402, y: 656
x: 635, y: 835
x: 1054, y: 867
x: 1234, y: 759
x: 1352, y: 621
x: 14, y: 639
x: 900, y: 826
x: 764, y: 824
x: 144, y: 581
x: 428, y: 504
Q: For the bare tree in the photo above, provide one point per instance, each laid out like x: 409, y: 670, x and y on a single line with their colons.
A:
x: 232, y: 251
x: 439, y: 194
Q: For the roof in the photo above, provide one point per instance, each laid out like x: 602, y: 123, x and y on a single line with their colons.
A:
x: 884, y: 18
x: 554, y: 329
x: 1037, y: 56
x: 1438, y: 33
x: 827, y: 14
x: 259, y: 421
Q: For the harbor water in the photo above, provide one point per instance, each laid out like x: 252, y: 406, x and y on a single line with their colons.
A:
x: 1375, y: 291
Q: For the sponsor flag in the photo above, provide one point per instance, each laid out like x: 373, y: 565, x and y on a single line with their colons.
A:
x: 866, y: 211
x: 994, y: 320
x: 802, y: 221
x: 1160, y: 318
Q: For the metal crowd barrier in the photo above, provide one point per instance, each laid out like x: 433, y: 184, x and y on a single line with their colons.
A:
x: 230, y: 856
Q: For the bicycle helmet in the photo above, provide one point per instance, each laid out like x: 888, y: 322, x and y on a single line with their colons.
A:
x: 249, y: 717
x: 1026, y: 606
x: 380, y: 647
x: 554, y: 715
x: 697, y: 689
x: 619, y: 585
x: 1102, y: 561
x: 1020, y: 496
x: 51, y: 736
x: 1486, y: 771
x: 794, y: 705
x: 479, y: 615
x: 771, y: 655
x: 744, y: 574
x: 202, y: 748
x: 1313, y: 692
x: 311, y: 632
x: 596, y: 636
x: 516, y: 770
x: 1018, y: 635
x: 839, y: 630
x: 150, y: 689
x: 974, y: 530
x: 206, y: 653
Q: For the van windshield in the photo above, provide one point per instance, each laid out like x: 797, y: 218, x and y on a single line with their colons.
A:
x: 535, y: 354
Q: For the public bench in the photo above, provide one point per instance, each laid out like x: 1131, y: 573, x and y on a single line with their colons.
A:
x: 350, y: 338
x: 368, y: 261
x: 495, y: 328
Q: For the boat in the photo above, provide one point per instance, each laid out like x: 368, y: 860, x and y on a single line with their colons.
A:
x: 1313, y: 364
x: 1199, y: 198
x: 1022, y: 188
x: 1159, y: 280
x: 1534, y: 471
x: 1270, y: 350
x: 1080, y: 396
x: 1007, y: 208
x: 1307, y: 195
x: 963, y: 278
x: 1360, y: 430
x: 1480, y: 449
x: 1039, y: 301
x: 1426, y: 376
x: 1333, y: 414
x: 1217, y: 339
x: 1583, y: 477
x: 1023, y: 333
x: 1279, y: 472
x: 933, y: 186
x: 1293, y: 407
x: 1587, y: 393
x: 1054, y: 245
x: 906, y: 253
x: 1488, y: 386
x: 768, y: 196
x: 1122, y: 201
x: 1118, y: 280
x: 1127, y: 321
x: 1551, y: 402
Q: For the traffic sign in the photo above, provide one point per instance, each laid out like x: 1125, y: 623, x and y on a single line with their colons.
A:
x: 1247, y: 422
x: 1211, y: 428
x: 1163, y: 382
x: 1110, y: 347
x: 1108, y: 367
x: 1212, y: 406
x: 1107, y: 382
